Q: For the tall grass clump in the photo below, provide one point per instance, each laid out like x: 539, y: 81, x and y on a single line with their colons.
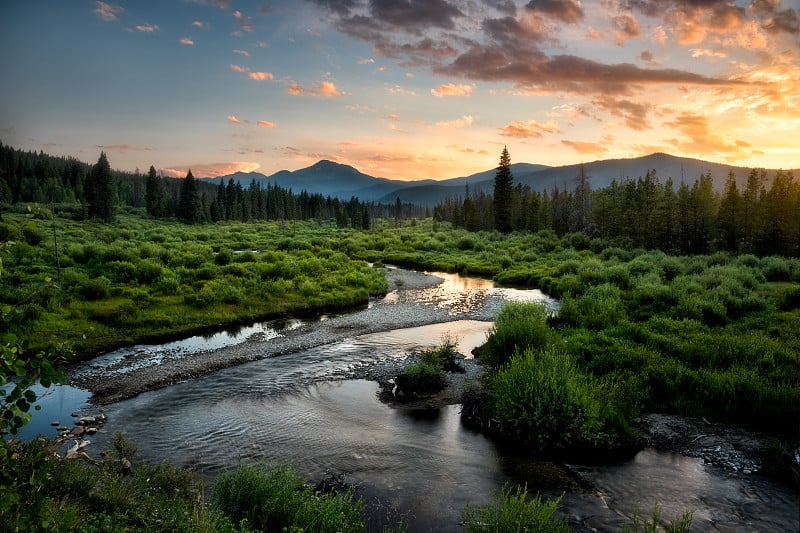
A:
x: 518, y: 327
x: 276, y: 499
x: 512, y: 511
x: 427, y: 375
x: 597, y: 308
x: 542, y: 399
x: 682, y: 524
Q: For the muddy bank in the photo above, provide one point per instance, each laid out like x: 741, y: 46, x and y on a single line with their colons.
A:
x: 408, y: 303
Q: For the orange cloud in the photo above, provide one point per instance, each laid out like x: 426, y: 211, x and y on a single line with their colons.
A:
x: 462, y: 122
x: 703, y: 139
x: 187, y: 41
x: 329, y: 89
x: 586, y: 147
x: 326, y: 88
x: 266, y: 124
x: 452, y: 89
x: 528, y: 129
x: 260, y: 76
x: 198, y: 24
x: 233, y: 120
x: 625, y: 27
x: 237, y: 68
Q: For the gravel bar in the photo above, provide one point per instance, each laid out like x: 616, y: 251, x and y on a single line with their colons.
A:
x: 411, y: 301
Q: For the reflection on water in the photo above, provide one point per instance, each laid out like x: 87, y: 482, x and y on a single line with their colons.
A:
x: 720, y: 500
x: 56, y: 403
x: 423, y: 464
x: 154, y: 354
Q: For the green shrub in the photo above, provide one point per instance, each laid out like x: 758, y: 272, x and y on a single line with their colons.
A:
x: 32, y: 234
x: 513, y: 511
x: 598, y: 308
x: 120, y: 271
x: 95, y: 289
x: 275, y: 499
x: 776, y: 268
x: 168, y: 284
x: 518, y: 326
x: 539, y: 398
x: 148, y: 270
x: 223, y: 257
x: 420, y: 379
x: 8, y: 232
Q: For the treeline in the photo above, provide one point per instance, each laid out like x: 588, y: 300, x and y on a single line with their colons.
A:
x: 762, y: 219
x: 36, y: 177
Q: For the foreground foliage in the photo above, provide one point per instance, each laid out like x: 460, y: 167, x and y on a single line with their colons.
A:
x: 276, y: 499
x: 512, y: 511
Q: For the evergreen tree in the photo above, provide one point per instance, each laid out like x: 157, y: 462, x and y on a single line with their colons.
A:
x: 189, y: 207
x: 729, y: 218
x: 503, y: 182
x: 100, y: 195
x: 582, y: 219
x: 154, y: 194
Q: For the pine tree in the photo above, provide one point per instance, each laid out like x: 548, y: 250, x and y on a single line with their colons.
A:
x: 154, y: 194
x: 99, y: 192
x: 503, y: 182
x: 189, y: 207
x: 729, y: 218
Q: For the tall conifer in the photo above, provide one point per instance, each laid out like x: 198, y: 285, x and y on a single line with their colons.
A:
x: 503, y: 182
x: 189, y: 207
x: 154, y: 194
x: 100, y: 195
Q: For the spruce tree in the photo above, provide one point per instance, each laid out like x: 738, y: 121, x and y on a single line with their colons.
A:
x: 154, y: 194
x: 189, y: 208
x: 100, y: 197
x: 503, y: 182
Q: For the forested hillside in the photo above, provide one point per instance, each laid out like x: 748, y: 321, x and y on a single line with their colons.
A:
x: 45, y: 179
x: 647, y: 212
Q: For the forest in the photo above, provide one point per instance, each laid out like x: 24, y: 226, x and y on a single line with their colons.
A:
x: 100, y: 191
x: 649, y: 212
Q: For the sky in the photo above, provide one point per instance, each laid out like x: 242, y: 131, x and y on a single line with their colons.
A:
x: 402, y: 89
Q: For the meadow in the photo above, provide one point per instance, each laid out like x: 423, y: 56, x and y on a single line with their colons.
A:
x: 703, y: 335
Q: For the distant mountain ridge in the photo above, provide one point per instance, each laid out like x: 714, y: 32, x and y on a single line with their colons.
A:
x: 343, y: 181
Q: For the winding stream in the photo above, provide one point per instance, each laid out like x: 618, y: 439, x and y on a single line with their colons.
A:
x: 314, y: 409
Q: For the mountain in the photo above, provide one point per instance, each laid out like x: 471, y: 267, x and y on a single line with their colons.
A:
x: 342, y: 181
x: 327, y: 178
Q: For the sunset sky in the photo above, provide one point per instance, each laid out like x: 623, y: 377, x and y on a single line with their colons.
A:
x: 403, y: 89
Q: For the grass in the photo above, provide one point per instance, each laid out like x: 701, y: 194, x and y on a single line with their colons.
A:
x: 427, y: 375
x: 512, y: 511
x: 141, y: 279
x: 276, y: 499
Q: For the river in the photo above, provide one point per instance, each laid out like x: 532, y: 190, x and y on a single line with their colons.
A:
x: 317, y: 410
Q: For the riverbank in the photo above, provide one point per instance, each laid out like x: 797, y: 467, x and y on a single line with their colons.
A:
x: 404, y: 306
